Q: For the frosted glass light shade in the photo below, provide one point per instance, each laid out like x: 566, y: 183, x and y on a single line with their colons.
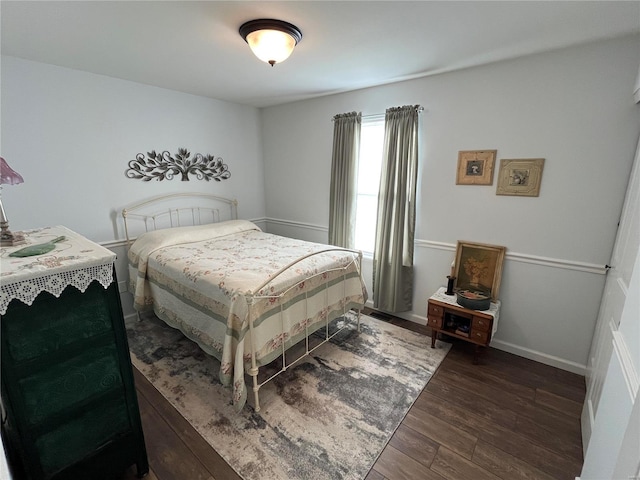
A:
x: 272, y: 41
x: 271, y: 46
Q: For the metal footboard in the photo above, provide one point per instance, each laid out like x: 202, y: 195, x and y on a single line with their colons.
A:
x: 251, y: 298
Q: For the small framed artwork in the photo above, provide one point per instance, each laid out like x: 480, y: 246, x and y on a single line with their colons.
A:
x: 475, y: 167
x: 478, y: 268
x: 520, y: 177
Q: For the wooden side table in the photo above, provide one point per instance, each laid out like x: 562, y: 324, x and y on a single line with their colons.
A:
x: 445, y: 316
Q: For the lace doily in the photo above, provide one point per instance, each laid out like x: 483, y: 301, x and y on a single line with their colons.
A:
x: 75, y: 261
x: 27, y: 290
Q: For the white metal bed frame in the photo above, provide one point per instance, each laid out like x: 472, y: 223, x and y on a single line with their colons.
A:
x: 193, y: 215
x: 181, y: 216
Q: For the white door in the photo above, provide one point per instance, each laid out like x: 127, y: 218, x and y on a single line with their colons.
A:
x: 608, y: 337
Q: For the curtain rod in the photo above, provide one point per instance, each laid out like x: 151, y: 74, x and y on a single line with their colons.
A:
x: 419, y: 108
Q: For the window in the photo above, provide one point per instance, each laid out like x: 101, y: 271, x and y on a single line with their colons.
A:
x: 369, y: 165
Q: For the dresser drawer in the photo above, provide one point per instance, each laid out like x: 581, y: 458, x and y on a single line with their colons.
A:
x: 80, y: 437
x: 434, y: 310
x: 71, y: 383
x: 481, y: 324
x: 51, y: 324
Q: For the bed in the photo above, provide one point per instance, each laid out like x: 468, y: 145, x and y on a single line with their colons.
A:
x: 243, y: 295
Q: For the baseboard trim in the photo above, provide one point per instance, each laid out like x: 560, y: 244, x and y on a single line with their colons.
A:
x: 524, y: 352
x: 410, y: 318
x: 540, y: 357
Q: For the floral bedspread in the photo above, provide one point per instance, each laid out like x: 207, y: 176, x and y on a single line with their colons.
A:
x: 212, y: 281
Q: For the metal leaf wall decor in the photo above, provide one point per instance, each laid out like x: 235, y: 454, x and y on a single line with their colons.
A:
x: 161, y: 166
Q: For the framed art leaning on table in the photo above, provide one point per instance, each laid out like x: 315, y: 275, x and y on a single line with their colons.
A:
x: 478, y: 267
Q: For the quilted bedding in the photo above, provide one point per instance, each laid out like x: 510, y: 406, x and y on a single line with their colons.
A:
x: 209, y: 282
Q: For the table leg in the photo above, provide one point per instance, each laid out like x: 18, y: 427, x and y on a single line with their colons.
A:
x: 476, y: 355
x: 434, y: 334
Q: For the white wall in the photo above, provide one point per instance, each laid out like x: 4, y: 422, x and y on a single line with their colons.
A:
x: 71, y: 135
x: 572, y: 107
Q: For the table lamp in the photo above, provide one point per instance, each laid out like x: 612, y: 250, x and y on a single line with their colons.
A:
x: 8, y: 177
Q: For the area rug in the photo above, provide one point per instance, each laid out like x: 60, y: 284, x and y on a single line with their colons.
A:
x: 328, y: 417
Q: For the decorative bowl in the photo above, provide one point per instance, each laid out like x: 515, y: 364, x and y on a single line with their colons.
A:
x: 473, y: 300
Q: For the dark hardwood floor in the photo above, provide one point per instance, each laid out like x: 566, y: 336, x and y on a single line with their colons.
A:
x: 506, y: 418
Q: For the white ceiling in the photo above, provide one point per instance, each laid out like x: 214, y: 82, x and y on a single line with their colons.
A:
x: 195, y: 47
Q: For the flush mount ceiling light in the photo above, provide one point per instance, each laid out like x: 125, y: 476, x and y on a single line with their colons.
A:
x: 272, y: 41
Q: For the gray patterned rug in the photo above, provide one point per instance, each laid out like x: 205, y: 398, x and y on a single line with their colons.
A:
x: 328, y: 417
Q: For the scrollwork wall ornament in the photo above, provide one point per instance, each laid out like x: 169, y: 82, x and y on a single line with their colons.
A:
x: 161, y: 166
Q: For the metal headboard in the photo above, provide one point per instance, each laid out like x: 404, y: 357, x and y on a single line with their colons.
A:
x: 177, y: 210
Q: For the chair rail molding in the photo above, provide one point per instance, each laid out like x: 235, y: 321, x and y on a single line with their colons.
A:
x: 450, y: 247
x: 526, y: 258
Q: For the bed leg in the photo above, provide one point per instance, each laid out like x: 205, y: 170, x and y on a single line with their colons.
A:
x: 254, y: 374
x: 257, y: 399
x: 253, y: 371
x: 359, y: 320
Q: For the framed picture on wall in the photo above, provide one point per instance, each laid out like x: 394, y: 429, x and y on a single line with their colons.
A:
x: 475, y: 167
x: 478, y: 268
x: 520, y: 177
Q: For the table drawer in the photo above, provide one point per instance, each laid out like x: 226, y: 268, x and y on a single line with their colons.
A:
x: 480, y: 337
x: 481, y: 324
x: 434, y: 310
x: 435, y: 322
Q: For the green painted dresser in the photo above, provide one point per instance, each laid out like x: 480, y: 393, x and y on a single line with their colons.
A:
x: 69, y: 402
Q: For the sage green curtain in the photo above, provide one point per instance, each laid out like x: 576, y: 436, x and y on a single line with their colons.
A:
x: 344, y: 178
x: 395, y: 232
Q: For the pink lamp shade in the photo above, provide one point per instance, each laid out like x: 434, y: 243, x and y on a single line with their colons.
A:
x: 8, y: 176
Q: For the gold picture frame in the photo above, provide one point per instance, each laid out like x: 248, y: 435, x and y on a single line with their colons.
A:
x: 478, y: 267
x: 475, y: 167
x: 520, y: 177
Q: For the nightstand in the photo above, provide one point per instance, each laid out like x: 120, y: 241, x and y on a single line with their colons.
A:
x: 69, y: 400
x: 445, y: 316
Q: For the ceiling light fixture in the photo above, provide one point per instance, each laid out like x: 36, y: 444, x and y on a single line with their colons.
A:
x: 272, y: 41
